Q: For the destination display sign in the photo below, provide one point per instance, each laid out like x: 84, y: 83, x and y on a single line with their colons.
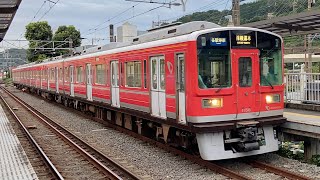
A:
x: 243, y: 39
x: 218, y: 41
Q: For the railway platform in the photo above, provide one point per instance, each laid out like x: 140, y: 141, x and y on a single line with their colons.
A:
x: 303, y: 125
x: 14, y: 163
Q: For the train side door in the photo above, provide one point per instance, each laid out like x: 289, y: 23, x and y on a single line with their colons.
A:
x: 158, y: 94
x: 89, y: 81
x: 56, y: 78
x: 180, y: 84
x: 246, y: 63
x: 71, y: 69
x: 115, y: 94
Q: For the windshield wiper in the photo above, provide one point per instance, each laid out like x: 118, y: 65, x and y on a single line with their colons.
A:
x: 220, y: 88
x: 268, y: 81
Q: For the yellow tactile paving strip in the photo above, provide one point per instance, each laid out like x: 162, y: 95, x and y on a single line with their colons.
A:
x: 302, y: 118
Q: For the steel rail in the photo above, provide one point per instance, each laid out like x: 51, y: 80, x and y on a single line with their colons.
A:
x: 45, y: 158
x: 278, y: 171
x: 83, y: 150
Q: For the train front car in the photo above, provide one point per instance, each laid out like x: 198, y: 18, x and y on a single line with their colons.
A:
x: 236, y: 102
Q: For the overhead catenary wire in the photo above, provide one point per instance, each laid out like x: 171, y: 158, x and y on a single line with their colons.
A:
x: 54, y: 3
x: 225, y: 8
x: 134, y: 16
x: 34, y: 17
x: 201, y: 9
x: 112, y: 18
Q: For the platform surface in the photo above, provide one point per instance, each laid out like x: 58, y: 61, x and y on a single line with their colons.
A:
x: 14, y: 163
x: 303, y: 116
x: 302, y: 122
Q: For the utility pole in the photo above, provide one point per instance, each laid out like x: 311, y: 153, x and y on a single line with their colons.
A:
x: 70, y: 45
x: 308, y: 43
x: 236, y: 12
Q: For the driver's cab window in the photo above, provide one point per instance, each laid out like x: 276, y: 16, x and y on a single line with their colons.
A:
x: 214, y: 69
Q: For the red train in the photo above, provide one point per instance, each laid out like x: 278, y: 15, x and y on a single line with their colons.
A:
x: 195, y: 85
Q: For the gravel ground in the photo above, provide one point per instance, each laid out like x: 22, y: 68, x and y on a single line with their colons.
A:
x: 309, y: 170
x: 248, y: 170
x: 150, y: 160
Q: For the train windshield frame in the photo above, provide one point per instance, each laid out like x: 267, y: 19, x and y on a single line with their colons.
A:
x: 214, y: 58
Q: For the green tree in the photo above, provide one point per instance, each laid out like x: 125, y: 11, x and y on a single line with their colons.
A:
x: 63, y: 34
x: 37, y: 31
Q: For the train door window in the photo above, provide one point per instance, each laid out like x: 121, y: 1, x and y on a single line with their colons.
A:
x: 245, y: 72
x: 121, y: 74
x: 133, y: 74
x: 52, y: 74
x: 80, y: 74
x: 154, y: 74
x: 60, y: 74
x: 162, y: 74
x: 145, y: 73
x: 45, y: 74
x: 66, y: 74
x: 71, y: 74
x: 100, y: 74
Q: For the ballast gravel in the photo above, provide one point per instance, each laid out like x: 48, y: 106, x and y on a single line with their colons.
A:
x: 150, y: 161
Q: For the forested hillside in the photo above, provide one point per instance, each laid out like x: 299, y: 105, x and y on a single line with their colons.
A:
x: 252, y: 11
x: 257, y: 11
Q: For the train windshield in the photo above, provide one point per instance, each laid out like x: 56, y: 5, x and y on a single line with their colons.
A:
x: 214, y: 64
x: 270, y: 59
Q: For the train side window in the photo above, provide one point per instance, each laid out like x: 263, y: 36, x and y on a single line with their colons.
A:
x: 100, y: 74
x: 145, y: 73
x: 133, y: 74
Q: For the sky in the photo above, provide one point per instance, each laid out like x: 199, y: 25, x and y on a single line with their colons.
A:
x: 85, y: 15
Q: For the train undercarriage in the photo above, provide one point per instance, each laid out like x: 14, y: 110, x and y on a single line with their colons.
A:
x: 214, y: 141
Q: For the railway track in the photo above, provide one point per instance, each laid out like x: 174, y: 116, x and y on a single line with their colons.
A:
x: 106, y: 166
x: 196, y: 159
x: 36, y: 155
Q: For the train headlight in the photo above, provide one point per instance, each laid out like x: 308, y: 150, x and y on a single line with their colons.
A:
x: 212, y: 103
x: 274, y: 98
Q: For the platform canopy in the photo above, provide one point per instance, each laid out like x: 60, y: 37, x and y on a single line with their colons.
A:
x: 302, y: 23
x: 8, y: 9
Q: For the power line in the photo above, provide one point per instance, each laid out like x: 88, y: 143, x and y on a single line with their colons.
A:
x: 134, y: 16
x: 208, y: 6
x: 114, y: 17
x: 54, y: 3
x: 44, y: 2
x: 225, y: 8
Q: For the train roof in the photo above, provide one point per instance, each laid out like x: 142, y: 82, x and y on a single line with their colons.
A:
x: 168, y: 35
